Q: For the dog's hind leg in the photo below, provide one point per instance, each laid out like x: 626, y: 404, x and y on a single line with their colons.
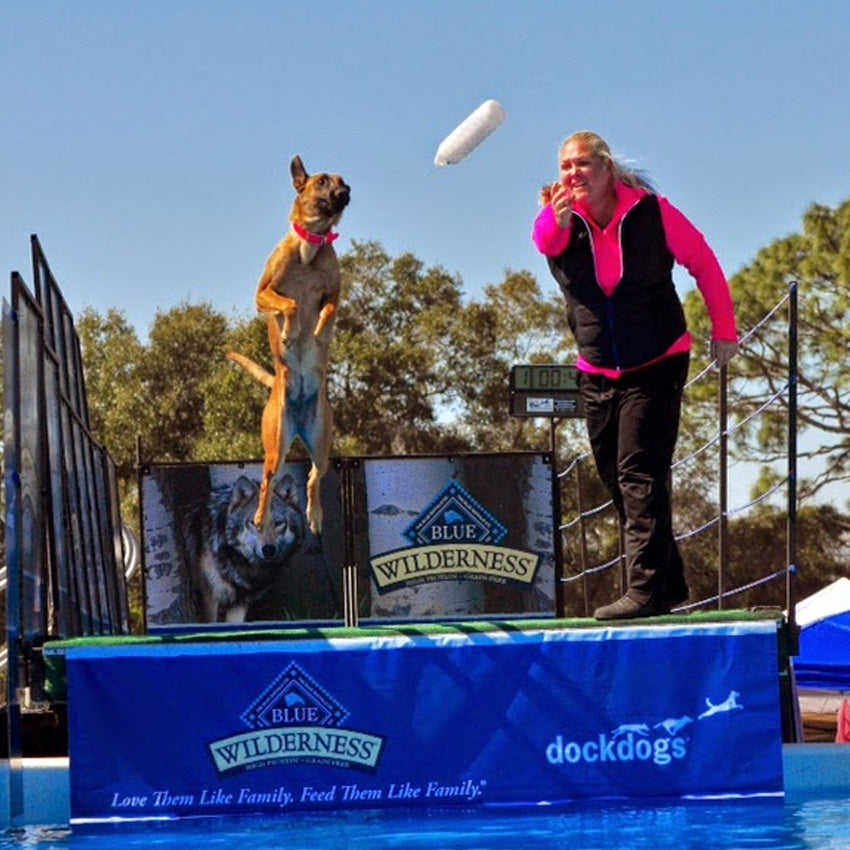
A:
x: 274, y: 445
x: 319, y: 445
x: 236, y: 613
x: 210, y: 606
x: 315, y: 515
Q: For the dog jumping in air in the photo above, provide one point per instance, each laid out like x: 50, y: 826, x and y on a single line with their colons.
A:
x: 299, y: 293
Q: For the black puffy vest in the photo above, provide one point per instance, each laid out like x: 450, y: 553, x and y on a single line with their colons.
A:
x: 643, y: 316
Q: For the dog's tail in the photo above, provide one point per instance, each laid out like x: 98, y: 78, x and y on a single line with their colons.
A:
x: 253, y: 369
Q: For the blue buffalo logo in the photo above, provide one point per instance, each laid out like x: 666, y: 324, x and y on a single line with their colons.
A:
x: 294, y: 699
x: 295, y: 720
x: 455, y: 517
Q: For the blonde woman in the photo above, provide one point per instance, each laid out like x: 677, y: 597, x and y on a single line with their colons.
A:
x: 611, y: 243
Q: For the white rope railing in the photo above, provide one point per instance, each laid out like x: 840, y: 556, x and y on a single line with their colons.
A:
x: 712, y: 522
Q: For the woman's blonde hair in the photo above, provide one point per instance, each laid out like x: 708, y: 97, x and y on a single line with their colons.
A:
x: 629, y: 175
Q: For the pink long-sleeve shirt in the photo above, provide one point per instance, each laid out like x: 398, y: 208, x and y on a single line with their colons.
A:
x: 687, y: 245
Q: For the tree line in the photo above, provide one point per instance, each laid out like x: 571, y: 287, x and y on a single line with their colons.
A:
x: 414, y: 369
x: 418, y: 369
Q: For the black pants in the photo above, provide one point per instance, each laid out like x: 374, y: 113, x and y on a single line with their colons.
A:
x: 633, y: 423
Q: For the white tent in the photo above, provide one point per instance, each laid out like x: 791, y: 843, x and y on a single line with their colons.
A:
x: 822, y: 669
x: 824, y: 619
x: 827, y: 602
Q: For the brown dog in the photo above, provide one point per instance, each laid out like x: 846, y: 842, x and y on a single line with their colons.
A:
x: 299, y: 293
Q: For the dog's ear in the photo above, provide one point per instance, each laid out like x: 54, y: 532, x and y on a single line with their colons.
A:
x: 299, y: 174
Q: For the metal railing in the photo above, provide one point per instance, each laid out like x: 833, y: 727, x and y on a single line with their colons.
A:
x: 579, y: 523
x: 132, y: 564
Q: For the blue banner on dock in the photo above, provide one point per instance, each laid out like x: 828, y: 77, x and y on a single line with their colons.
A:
x: 504, y: 717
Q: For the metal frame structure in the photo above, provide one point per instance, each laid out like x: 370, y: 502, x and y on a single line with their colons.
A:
x: 64, y: 543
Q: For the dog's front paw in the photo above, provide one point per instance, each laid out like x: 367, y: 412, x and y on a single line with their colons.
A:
x: 325, y: 315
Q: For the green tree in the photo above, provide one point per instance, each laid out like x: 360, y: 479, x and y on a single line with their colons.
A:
x: 185, y: 346
x: 514, y: 325
x: 395, y: 360
x: 818, y: 260
x: 824, y: 552
x: 413, y: 368
x: 118, y: 407
x: 159, y: 392
x: 233, y: 401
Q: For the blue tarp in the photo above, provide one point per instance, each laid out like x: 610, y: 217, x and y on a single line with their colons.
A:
x: 824, y: 659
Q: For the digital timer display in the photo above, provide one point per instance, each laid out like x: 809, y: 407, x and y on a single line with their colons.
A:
x: 545, y: 390
x: 544, y: 377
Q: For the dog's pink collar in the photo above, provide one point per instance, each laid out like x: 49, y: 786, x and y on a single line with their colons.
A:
x: 314, y: 238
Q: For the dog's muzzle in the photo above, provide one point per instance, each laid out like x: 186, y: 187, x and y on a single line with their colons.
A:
x: 341, y: 197
x: 336, y: 203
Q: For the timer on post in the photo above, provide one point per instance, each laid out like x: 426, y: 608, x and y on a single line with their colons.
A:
x: 545, y: 390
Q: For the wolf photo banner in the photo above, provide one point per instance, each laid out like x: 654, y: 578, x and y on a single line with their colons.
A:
x: 436, y: 537
x: 206, y: 561
x: 486, y: 718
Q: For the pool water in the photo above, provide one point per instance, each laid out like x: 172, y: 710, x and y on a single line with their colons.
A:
x: 816, y: 824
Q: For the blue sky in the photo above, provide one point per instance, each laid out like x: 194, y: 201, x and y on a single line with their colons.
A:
x: 147, y: 142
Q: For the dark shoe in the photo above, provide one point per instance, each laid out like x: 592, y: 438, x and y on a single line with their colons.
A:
x: 677, y: 593
x: 676, y: 599
x: 627, y: 608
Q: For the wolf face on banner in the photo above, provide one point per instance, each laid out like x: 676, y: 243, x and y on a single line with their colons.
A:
x: 231, y: 560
